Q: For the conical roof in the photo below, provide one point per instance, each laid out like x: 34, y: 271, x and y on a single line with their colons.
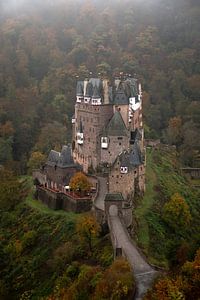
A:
x: 89, y: 90
x: 79, y: 88
x: 116, y: 126
x: 120, y: 96
x: 66, y: 156
x: 96, y: 92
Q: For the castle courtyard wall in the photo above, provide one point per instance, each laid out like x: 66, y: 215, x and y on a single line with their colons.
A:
x: 58, y: 200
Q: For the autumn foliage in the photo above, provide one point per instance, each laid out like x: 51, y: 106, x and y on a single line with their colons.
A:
x: 176, y: 212
x: 79, y: 182
x: 88, y: 229
x: 184, y: 285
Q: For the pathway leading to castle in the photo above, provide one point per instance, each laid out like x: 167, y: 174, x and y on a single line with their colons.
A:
x: 143, y: 272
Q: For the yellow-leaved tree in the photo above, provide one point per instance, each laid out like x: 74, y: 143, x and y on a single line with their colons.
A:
x: 176, y: 212
x: 88, y: 228
x: 79, y: 182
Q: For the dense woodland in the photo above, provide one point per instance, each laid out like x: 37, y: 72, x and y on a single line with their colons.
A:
x: 45, y: 46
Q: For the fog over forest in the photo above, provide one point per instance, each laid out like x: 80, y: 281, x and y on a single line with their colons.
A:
x: 45, y: 47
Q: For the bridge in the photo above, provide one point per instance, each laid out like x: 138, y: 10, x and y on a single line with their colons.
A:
x: 109, y: 207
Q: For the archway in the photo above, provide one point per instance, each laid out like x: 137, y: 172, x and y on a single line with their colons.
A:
x: 113, y: 210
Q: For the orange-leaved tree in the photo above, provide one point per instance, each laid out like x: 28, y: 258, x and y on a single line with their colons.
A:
x: 79, y: 182
x: 117, y: 282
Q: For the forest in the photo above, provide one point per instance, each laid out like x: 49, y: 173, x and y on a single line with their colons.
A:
x: 46, y: 46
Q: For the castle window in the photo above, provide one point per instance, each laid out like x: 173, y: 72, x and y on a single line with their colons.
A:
x: 104, y: 142
x: 120, y: 144
x: 124, y: 170
x: 80, y: 138
x: 120, y: 138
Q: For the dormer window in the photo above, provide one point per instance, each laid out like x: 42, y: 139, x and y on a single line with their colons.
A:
x: 124, y: 170
x: 87, y: 99
x: 79, y: 99
x: 80, y: 138
x: 104, y: 142
x: 96, y: 101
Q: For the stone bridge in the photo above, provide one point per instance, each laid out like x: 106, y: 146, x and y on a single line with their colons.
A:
x: 109, y: 207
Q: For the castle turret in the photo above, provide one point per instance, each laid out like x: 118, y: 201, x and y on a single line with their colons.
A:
x: 96, y: 99
x: 79, y: 92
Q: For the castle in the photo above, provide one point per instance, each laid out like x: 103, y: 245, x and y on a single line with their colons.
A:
x: 108, y: 132
x: 107, y: 138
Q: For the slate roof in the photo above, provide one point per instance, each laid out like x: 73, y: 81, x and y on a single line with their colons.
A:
x: 96, y: 93
x: 114, y: 197
x: 116, y: 126
x: 123, y: 90
x: 62, y: 159
x: 96, y: 82
x: 53, y: 157
x: 132, y: 84
x: 132, y: 158
x: 89, y: 90
x: 66, y: 158
x: 79, y: 88
x: 120, y: 98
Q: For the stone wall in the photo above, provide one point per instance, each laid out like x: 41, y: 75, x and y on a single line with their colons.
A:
x: 127, y: 215
x: 93, y: 119
x: 57, y: 200
x: 49, y: 198
x: 122, y: 183
x: 116, y: 145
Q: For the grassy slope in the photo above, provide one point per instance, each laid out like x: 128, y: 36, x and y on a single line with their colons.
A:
x: 29, y: 238
x: 163, y: 179
x: 146, y: 204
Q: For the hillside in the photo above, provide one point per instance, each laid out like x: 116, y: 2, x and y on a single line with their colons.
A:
x: 168, y: 239
x: 46, y: 254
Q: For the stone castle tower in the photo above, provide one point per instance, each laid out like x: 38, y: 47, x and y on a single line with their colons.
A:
x: 108, y: 131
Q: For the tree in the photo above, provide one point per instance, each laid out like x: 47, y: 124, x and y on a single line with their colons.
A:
x: 79, y: 182
x: 165, y: 289
x: 88, y: 228
x: 12, y: 191
x: 36, y: 160
x: 174, y: 131
x: 176, y: 212
x: 52, y: 136
x: 116, y: 283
